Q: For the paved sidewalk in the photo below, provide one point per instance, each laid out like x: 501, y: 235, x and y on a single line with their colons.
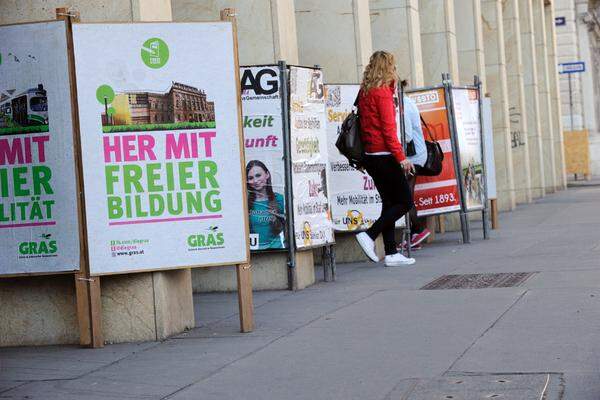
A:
x: 373, y: 334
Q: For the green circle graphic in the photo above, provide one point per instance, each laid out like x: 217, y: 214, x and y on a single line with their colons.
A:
x: 105, y: 92
x: 111, y: 111
x: 155, y: 53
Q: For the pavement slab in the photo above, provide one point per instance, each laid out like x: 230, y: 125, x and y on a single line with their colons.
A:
x: 372, y: 334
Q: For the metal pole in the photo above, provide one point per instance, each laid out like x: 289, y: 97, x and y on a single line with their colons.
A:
x: 464, y: 220
x: 287, y: 161
x: 485, y: 211
x: 571, y: 102
x: 406, y: 234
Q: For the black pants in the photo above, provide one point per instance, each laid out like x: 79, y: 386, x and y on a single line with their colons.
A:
x: 417, y: 225
x: 396, y: 197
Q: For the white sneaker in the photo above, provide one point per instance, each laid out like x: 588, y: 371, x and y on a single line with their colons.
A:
x: 368, y: 245
x: 398, y: 260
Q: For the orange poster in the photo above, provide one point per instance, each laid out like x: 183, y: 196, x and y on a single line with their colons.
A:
x: 436, y: 194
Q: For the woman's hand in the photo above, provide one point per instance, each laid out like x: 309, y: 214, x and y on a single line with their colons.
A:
x: 407, y: 166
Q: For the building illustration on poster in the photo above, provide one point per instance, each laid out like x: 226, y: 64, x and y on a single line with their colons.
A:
x: 308, y: 136
x: 38, y: 211
x: 162, y: 165
x: 265, y: 169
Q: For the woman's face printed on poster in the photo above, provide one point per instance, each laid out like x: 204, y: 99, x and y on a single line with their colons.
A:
x: 258, y: 179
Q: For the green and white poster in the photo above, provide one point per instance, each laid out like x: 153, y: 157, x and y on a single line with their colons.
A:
x: 38, y: 203
x: 161, y: 144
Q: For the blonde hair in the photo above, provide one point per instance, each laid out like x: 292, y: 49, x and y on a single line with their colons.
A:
x: 381, y: 71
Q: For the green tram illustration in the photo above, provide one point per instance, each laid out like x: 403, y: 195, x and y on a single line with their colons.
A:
x: 25, y: 109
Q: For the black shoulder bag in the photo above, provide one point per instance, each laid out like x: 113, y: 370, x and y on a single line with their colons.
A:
x: 435, y: 155
x: 348, y: 142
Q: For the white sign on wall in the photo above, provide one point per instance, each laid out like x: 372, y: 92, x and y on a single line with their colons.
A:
x: 38, y: 197
x: 355, y: 202
x: 468, y: 133
x: 161, y: 145
x: 308, y: 137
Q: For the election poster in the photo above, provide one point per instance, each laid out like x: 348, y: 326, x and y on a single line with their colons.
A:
x: 264, y: 148
x: 308, y: 136
x: 436, y: 194
x: 355, y: 202
x: 162, y: 146
x: 39, y: 230
x: 468, y: 134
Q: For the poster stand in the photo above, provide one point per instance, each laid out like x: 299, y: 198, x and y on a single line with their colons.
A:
x: 88, y: 288
x: 464, y: 211
x: 406, y: 232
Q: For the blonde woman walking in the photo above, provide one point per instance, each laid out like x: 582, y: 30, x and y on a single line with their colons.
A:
x: 384, y: 158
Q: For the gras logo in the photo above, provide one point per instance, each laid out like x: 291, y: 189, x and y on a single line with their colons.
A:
x: 211, y: 239
x: 44, y: 247
x: 155, y: 53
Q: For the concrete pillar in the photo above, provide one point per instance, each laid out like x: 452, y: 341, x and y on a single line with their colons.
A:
x: 335, y: 35
x: 559, y: 148
x: 266, y: 28
x: 532, y: 106
x: 547, y: 123
x: 395, y: 27
x: 495, y: 63
x: 438, y: 40
x: 469, y: 39
x: 516, y: 101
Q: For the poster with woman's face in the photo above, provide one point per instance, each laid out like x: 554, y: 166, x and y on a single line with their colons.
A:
x: 265, y: 169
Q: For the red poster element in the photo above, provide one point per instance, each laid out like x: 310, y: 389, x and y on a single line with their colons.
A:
x: 436, y: 194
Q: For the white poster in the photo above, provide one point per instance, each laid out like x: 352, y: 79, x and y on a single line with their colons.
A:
x: 161, y: 145
x: 265, y: 169
x: 355, y: 202
x: 38, y: 197
x: 308, y: 136
x: 468, y: 132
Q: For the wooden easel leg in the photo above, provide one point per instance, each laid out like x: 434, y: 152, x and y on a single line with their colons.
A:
x: 494, y: 211
x: 441, y: 224
x: 244, y: 281
x: 89, y: 310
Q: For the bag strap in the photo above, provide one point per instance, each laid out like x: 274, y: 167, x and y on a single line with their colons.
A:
x: 357, y: 97
x: 431, y: 138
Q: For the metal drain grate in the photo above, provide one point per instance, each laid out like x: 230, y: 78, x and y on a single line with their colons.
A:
x: 478, y: 281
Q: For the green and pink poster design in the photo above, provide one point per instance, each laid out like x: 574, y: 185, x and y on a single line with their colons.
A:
x: 161, y: 144
x: 38, y: 203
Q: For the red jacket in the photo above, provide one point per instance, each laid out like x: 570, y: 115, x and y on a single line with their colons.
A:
x: 378, y: 122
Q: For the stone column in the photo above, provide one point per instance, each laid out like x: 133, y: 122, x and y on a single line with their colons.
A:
x: 438, y: 40
x: 495, y: 63
x: 559, y: 148
x: 547, y: 123
x: 469, y: 39
x: 516, y: 101
x: 396, y: 28
x: 266, y: 28
x: 335, y: 35
x: 532, y: 106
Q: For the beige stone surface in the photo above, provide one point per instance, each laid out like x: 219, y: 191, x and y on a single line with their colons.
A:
x: 304, y: 272
x: 16, y: 11
x: 469, y: 39
x: 395, y: 27
x: 335, y: 35
x: 269, y: 271
x: 438, y: 40
x: 38, y: 311
x: 547, y: 123
x: 493, y: 36
x: 128, y: 308
x: 173, y: 302
x: 516, y: 97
